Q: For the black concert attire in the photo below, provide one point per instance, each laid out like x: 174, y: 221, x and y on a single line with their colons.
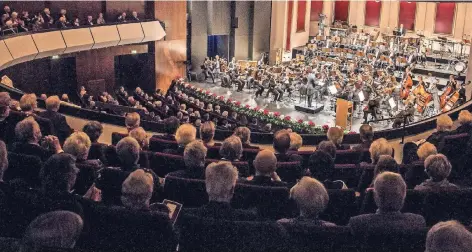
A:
x: 371, y: 109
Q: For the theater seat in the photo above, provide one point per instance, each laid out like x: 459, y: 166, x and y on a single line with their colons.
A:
x: 270, y: 202
x: 413, y: 202
x: 448, y: 205
x: 121, y: 229
x: 189, y: 192
x: 391, y: 240
x: 305, y: 237
x: 347, y: 156
x: 243, y: 166
x: 201, y: 234
x: 158, y: 145
x: 341, y: 206
x: 163, y: 163
x: 116, y: 137
x: 349, y: 173
x: 289, y: 172
x: 23, y: 167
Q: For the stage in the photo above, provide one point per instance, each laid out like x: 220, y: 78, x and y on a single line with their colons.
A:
x: 287, y: 105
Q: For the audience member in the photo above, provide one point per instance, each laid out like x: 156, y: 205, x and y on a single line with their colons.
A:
x: 122, y: 17
x: 448, y: 236
x: 171, y: 125
x: 220, y: 181
x: 366, y: 134
x: 443, y: 128
x: 296, y: 141
x: 62, y: 129
x: 128, y: 152
x: 425, y: 150
x: 379, y: 147
x: 28, y: 135
x: 132, y: 121
x: 78, y: 145
x: 134, y: 16
x: 194, y: 158
x: 231, y: 149
x: 281, y: 145
x: 184, y: 135
x: 94, y: 130
x: 328, y: 147
x: 6, y: 122
x: 57, y: 229
x: 265, y: 164
x: 244, y: 133
x: 28, y: 105
x: 465, y: 122
x: 137, y: 189
x: 389, y: 195
x: 312, y: 199
x: 321, y: 167
x: 3, y: 167
x: 415, y: 173
x: 100, y: 19
x: 141, y: 136
x: 438, y: 169
x: 207, y: 133
x: 336, y: 135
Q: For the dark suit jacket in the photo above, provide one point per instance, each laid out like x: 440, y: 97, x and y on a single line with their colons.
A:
x: 263, y: 181
x: 63, y: 130
x: 46, y: 126
x: 179, y: 151
x: 191, y: 173
x: 248, y: 146
x: 342, y: 147
x: 466, y: 128
x: 32, y: 150
x: 7, y: 130
x: 362, y: 146
x: 437, y: 137
x: 219, y: 210
x: 165, y: 137
x: 370, y: 223
x: 285, y: 157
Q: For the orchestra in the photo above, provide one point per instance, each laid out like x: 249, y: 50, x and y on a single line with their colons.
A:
x: 357, y: 67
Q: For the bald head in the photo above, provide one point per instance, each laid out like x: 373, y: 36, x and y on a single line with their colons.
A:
x: 265, y: 163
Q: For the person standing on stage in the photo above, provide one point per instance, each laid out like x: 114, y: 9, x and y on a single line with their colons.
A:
x: 310, y: 89
x: 272, y: 88
x: 433, y: 89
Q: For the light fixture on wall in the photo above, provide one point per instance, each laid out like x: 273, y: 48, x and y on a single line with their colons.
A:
x: 134, y: 51
x: 55, y: 57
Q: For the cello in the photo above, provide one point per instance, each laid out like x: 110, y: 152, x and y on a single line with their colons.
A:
x: 451, y: 102
x: 443, y: 97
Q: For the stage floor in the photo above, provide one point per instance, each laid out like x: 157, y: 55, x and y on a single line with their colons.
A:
x: 287, y: 106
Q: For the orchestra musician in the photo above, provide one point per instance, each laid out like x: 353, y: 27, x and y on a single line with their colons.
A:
x: 207, y: 69
x: 434, y: 91
x: 371, y: 108
x: 310, y: 89
x: 452, y: 83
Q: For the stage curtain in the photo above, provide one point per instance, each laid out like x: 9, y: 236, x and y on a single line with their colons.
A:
x: 289, y: 25
x: 301, y: 13
x: 341, y: 10
x: 372, y: 13
x: 407, y: 15
x: 316, y: 8
x: 444, y: 18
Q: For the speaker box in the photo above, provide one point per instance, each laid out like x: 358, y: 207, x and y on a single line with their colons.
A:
x: 235, y: 23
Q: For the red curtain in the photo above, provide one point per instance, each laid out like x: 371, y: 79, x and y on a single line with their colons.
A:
x: 407, y: 15
x: 444, y: 17
x: 316, y: 8
x: 301, y: 13
x: 372, y: 13
x: 289, y: 25
x: 341, y: 10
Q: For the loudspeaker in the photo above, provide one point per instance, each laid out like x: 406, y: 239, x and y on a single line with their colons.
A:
x: 235, y: 23
x: 309, y: 110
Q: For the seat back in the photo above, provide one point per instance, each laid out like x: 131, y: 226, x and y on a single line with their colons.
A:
x: 110, y: 181
x: 158, y: 145
x: 289, y: 172
x: 413, y: 202
x: 448, y: 205
x: 85, y: 178
x: 189, y: 192
x: 391, y: 240
x: 213, y: 152
x: 453, y: 147
x: 116, y: 137
x: 415, y: 174
x: 270, y: 202
x: 305, y: 237
x: 163, y: 163
x: 203, y: 234
x: 341, y: 206
x: 23, y: 167
x: 120, y: 229
x: 349, y: 173
x: 243, y: 166
x: 347, y: 156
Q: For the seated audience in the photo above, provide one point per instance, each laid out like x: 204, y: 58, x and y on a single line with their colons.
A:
x: 62, y: 129
x: 366, y: 134
x: 231, y: 149
x: 171, y: 125
x: 312, y: 199
x: 328, y: 147
x: 465, y: 122
x: 336, y: 136
x: 137, y: 189
x: 78, y: 145
x: 194, y: 158
x: 28, y: 105
x: 184, y: 135
x: 321, y: 167
x: 415, y: 173
x: 94, y: 130
x: 141, y: 136
x: 438, y: 169
x: 3, y: 166
x: 244, y: 133
x: 265, y: 164
x: 443, y: 128
x: 28, y: 135
x: 379, y: 147
x: 57, y: 229
x: 389, y: 196
x: 132, y: 121
x: 207, y: 133
x: 296, y: 141
x: 425, y: 150
x: 128, y: 152
x: 220, y: 181
x: 6, y: 122
x: 448, y: 236
x: 281, y: 145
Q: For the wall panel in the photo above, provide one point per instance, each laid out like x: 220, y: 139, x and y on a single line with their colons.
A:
x: 372, y: 13
x: 301, y: 14
x: 444, y: 18
x: 114, y: 8
x: 316, y: 9
x: 341, y: 10
x: 407, y: 15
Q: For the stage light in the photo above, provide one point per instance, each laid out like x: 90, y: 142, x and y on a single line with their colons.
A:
x: 134, y: 51
x: 55, y: 57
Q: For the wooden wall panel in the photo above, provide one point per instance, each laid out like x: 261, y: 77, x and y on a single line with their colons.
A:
x: 372, y: 13
x: 100, y: 64
x: 407, y: 15
x: 174, y: 14
x: 289, y: 25
x: 114, y: 8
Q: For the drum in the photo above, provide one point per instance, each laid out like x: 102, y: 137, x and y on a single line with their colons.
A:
x: 460, y: 67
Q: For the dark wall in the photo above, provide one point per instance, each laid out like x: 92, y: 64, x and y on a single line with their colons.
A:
x: 135, y: 70
x: 49, y: 76
x: 114, y: 8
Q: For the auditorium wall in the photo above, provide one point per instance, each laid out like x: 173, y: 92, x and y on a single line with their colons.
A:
x: 261, y: 34
x: 389, y: 17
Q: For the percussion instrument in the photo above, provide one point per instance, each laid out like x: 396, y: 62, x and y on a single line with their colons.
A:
x: 460, y: 67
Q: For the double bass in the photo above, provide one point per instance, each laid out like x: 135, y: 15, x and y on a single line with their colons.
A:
x: 443, y: 98
x: 423, y: 97
x: 451, y: 102
x: 407, y: 85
